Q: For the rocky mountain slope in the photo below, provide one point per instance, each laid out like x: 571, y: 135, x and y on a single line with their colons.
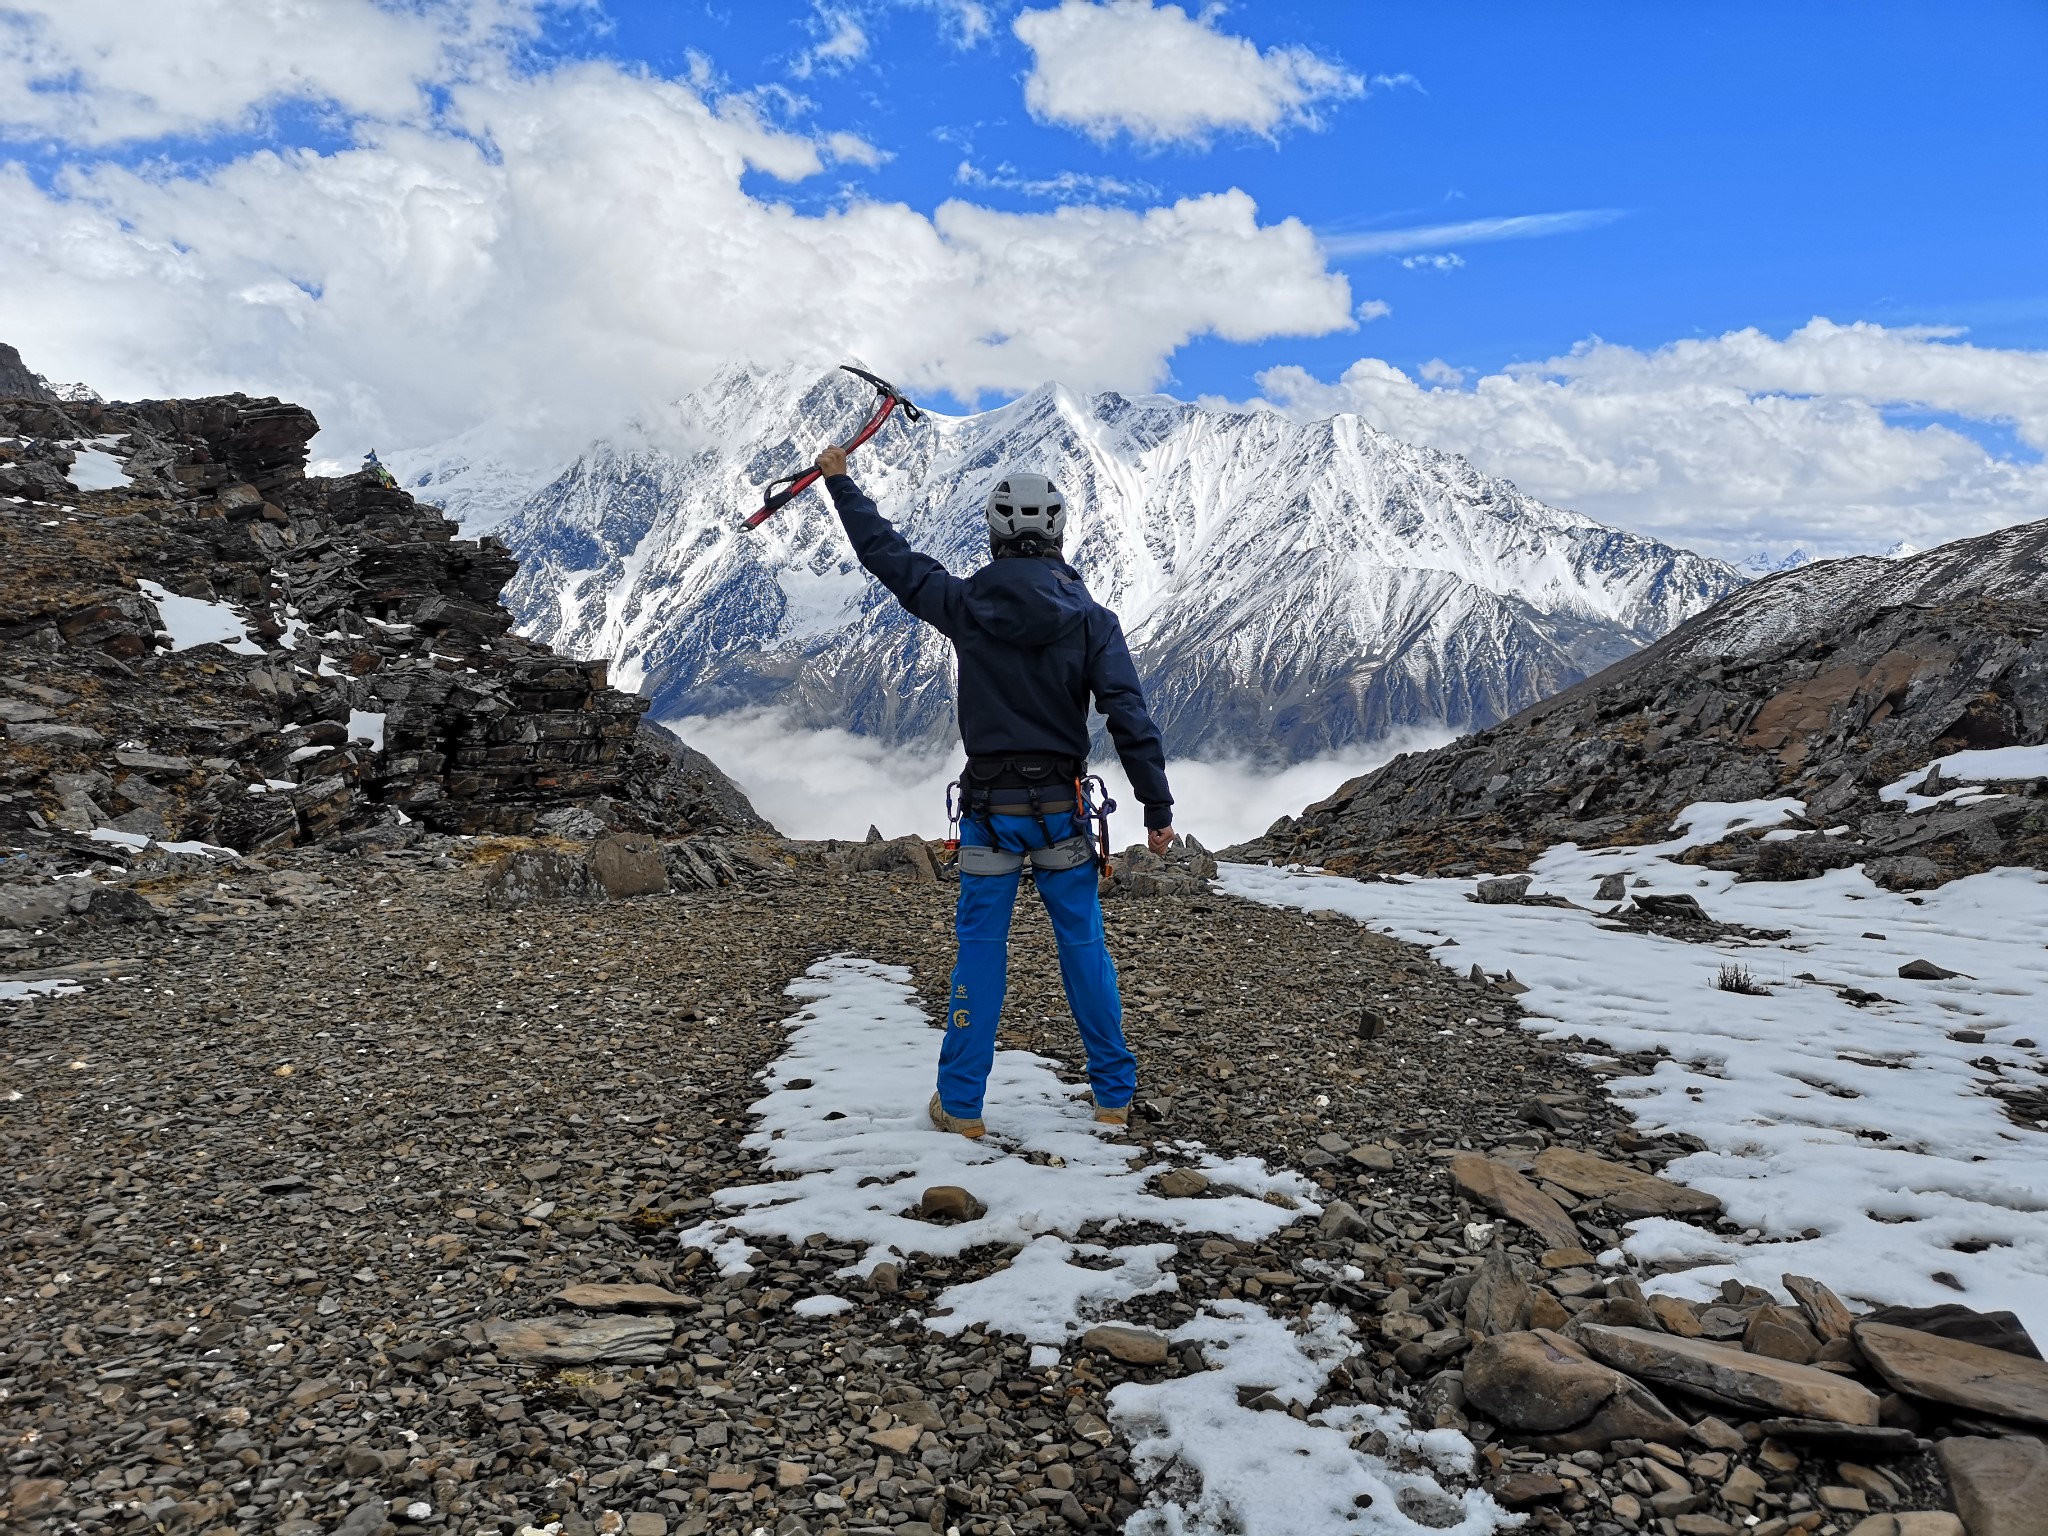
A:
x: 198, y: 643
x: 1827, y: 683
x: 1287, y: 587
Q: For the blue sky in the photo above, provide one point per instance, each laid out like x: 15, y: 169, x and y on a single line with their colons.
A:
x: 1763, y: 163
x: 1740, y: 275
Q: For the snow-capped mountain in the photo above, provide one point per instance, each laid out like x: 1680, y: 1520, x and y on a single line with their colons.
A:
x: 1286, y: 587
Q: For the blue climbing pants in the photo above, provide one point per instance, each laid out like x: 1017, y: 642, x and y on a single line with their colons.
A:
x: 982, y: 925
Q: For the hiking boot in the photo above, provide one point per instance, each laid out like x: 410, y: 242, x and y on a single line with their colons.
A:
x: 1104, y: 1115
x: 959, y: 1125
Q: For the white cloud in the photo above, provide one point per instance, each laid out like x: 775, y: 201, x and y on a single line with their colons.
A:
x: 1440, y: 261
x: 1161, y: 75
x: 1060, y: 187
x: 1373, y: 309
x: 843, y: 40
x: 105, y: 71
x: 566, y: 249
x: 831, y: 783
x: 1736, y: 442
x: 1435, y: 237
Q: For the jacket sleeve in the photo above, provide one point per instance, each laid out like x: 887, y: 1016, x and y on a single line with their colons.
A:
x: 918, y: 582
x: 1114, y: 682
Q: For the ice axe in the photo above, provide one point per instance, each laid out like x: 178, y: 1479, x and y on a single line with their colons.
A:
x: 888, y: 398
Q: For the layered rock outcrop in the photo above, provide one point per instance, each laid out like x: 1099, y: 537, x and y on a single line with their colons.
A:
x: 1827, y: 684
x: 200, y: 642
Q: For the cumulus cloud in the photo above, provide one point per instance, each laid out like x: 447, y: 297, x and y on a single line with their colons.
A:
x: 831, y: 783
x: 567, y: 249
x: 107, y: 71
x: 1739, y: 441
x: 1162, y: 76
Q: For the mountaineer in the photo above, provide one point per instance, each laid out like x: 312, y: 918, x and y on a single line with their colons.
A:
x: 1033, y: 648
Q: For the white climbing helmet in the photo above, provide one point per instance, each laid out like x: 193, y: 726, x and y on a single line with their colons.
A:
x: 1024, y: 504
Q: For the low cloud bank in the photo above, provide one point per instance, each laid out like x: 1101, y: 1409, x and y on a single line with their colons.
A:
x: 832, y: 783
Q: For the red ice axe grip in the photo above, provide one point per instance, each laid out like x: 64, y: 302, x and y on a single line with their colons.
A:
x: 782, y: 492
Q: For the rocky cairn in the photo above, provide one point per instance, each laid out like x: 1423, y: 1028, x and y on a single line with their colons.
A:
x: 1826, y: 684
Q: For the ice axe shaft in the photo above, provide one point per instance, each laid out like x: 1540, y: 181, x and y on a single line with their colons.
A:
x: 780, y: 493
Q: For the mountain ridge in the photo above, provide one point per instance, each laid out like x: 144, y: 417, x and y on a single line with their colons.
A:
x: 1288, y: 588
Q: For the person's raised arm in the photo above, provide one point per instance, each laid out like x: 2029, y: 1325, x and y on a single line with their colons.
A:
x: 920, y: 583
x: 1114, y: 681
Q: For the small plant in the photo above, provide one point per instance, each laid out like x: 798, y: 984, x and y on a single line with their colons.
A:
x: 1736, y: 978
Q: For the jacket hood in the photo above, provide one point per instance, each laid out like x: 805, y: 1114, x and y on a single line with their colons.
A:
x: 1027, y: 602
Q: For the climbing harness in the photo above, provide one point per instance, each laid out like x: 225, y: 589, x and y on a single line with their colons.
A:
x: 780, y: 493
x: 980, y: 793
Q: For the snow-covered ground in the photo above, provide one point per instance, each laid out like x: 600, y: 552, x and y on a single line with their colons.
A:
x: 844, y: 1121
x: 194, y: 621
x: 1864, y: 1145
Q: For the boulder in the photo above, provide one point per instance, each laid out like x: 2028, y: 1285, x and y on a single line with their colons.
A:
x: 1540, y: 1383
x: 1952, y: 1320
x: 1728, y: 1375
x: 2000, y: 1486
x: 1499, y: 1299
x: 629, y: 864
x: 1133, y: 1346
x: 1500, y: 1188
x: 1964, y: 1375
x: 559, y: 1341
x: 541, y: 874
x: 626, y: 1298
x: 1823, y: 1309
x: 1626, y: 1191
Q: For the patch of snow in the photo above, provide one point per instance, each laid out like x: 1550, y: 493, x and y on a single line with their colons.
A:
x: 1265, y: 1473
x: 300, y: 754
x: 137, y: 841
x: 1988, y: 765
x: 1708, y: 821
x: 821, y: 1306
x: 118, y: 839
x: 1871, y: 1126
x: 195, y: 621
x: 845, y: 1116
x: 18, y: 991
x: 94, y: 469
x: 364, y: 725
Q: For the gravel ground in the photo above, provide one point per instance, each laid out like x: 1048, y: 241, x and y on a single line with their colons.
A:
x: 267, y: 1187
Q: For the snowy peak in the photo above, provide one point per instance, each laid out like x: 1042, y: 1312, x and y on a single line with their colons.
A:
x: 1287, y: 587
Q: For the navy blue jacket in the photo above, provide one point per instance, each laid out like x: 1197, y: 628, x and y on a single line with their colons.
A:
x: 1032, y: 645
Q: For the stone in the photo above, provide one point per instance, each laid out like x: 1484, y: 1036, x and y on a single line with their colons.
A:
x: 1910, y: 1522
x: 949, y: 1202
x: 1539, y: 1382
x: 790, y: 1474
x: 554, y: 1341
x: 1567, y: 1258
x: 1504, y: 891
x: 1500, y: 1188
x: 1951, y: 1320
x: 1697, y: 1524
x: 1612, y: 888
x: 1499, y: 1299
x: 645, y: 1523
x: 1340, y: 1219
x: 1951, y: 1371
x: 2000, y: 1486
x: 1719, y: 1435
x: 1843, y: 1499
x: 540, y: 874
x: 629, y: 864
x: 1183, y: 1183
x: 626, y: 1298
x: 1874, y: 1441
x: 1133, y: 1346
x: 1675, y: 1315
x: 1775, y: 1332
x: 1822, y: 1308
x: 1546, y: 1311
x: 1522, y: 1490
x: 1729, y: 1375
x: 1626, y: 1191
x: 1742, y: 1487
x: 898, y: 1439
x: 1926, y: 970
x: 1376, y: 1159
x: 740, y: 1479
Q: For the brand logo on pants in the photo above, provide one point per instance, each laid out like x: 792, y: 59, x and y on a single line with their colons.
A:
x: 959, y: 1018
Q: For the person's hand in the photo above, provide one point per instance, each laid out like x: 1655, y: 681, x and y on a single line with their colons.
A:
x: 832, y: 460
x: 1159, y: 839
